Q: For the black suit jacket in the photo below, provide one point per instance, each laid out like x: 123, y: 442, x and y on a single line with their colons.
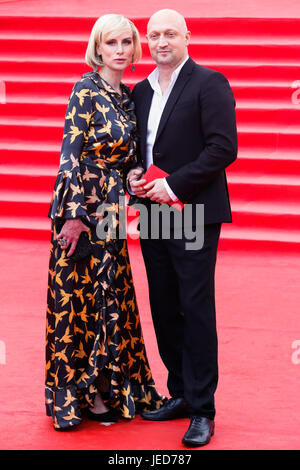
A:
x: 196, y: 138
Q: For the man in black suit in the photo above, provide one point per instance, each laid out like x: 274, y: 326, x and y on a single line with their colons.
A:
x: 187, y: 127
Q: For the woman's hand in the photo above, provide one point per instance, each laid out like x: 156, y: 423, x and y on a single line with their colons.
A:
x: 135, y: 183
x: 70, y: 233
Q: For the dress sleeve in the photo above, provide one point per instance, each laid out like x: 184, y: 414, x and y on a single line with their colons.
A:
x: 68, y: 195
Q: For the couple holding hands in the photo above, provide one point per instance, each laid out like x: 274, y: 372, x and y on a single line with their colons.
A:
x: 181, y: 118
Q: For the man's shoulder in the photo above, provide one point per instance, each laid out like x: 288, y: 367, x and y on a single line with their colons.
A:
x: 140, y: 91
x: 141, y: 86
x: 204, y: 72
x: 204, y: 76
x: 142, y: 83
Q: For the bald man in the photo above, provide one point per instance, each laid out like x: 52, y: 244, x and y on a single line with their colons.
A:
x: 187, y: 127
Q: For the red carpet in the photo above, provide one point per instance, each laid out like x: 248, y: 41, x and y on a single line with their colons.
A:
x: 257, y: 46
x: 258, y: 319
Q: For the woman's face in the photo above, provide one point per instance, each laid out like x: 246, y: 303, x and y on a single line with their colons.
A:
x: 117, y: 50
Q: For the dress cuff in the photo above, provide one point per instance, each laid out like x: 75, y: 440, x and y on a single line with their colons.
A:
x: 129, y: 190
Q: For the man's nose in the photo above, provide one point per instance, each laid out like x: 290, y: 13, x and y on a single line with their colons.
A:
x: 162, y: 42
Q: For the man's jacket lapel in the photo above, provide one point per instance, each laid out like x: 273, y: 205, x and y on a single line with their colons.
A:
x: 143, y: 118
x: 180, y: 83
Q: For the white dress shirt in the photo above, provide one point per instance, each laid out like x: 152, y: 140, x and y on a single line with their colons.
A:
x: 158, y: 103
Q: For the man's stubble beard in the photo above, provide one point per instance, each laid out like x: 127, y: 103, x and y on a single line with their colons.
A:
x: 169, y: 60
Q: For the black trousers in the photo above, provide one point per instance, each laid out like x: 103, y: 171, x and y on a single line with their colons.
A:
x: 182, y: 299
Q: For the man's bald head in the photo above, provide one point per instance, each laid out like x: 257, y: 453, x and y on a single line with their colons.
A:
x: 168, y: 15
x: 168, y: 38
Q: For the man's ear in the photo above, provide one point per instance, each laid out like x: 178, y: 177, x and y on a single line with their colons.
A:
x: 187, y: 37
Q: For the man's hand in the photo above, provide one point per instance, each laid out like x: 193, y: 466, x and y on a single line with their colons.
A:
x: 135, y: 183
x: 157, y: 192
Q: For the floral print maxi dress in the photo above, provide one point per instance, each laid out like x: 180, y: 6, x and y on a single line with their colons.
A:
x: 93, y: 333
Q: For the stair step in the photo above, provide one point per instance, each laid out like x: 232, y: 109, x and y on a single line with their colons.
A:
x: 41, y: 154
x: 54, y: 114
x: 20, y: 155
x: 278, y: 217
x: 259, y: 29
x: 228, y: 230
x: 231, y: 238
x: 31, y: 48
x: 268, y: 141
x: 257, y: 53
x: 286, y: 219
x: 246, y: 94
x: 28, y: 70
x: 273, y: 95
x: 241, y: 190
x: 264, y: 167
x: 39, y: 25
x: 197, y: 38
x: 67, y: 71
x: 25, y: 223
x: 266, y: 208
x: 38, y: 92
x: 269, y: 221
x: 46, y: 113
x: 274, y: 118
x: 31, y: 208
x: 32, y: 183
x: 82, y: 37
x: 37, y: 133
x: 46, y: 161
x: 260, y: 196
x: 240, y: 27
x: 262, y: 192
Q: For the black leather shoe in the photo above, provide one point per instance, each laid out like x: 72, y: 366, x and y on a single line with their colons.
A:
x: 199, y: 432
x: 174, y: 408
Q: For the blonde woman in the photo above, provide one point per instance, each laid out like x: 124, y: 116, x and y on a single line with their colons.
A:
x: 96, y: 363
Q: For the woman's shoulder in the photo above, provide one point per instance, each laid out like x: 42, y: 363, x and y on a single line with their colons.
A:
x: 87, y: 80
x: 85, y: 87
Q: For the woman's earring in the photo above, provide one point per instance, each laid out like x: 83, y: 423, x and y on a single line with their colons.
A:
x: 132, y: 66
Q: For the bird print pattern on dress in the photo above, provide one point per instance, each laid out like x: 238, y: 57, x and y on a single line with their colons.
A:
x: 93, y: 332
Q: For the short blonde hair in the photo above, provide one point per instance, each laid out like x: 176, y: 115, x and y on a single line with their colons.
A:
x: 104, y: 26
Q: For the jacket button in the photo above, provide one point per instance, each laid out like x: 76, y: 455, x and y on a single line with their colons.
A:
x: 157, y: 154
